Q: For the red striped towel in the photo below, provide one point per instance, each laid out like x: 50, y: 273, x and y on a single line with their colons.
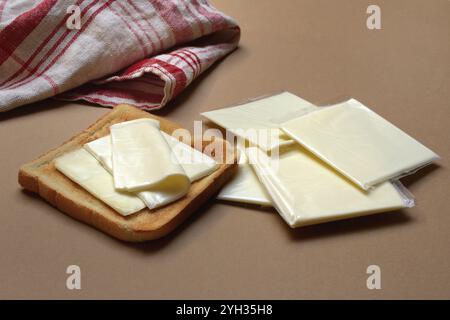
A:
x: 140, y: 52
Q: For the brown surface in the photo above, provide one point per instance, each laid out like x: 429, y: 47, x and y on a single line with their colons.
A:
x: 41, y: 177
x: 320, y: 50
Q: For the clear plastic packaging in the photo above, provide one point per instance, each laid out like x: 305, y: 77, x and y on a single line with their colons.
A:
x: 245, y: 187
x: 305, y: 191
x: 359, y: 143
x: 304, y: 185
x: 258, y: 120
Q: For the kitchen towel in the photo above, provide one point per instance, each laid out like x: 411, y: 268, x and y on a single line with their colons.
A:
x: 142, y: 53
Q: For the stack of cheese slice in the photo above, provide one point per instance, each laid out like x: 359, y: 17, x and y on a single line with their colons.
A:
x: 136, y: 166
x: 245, y: 186
x: 345, y: 162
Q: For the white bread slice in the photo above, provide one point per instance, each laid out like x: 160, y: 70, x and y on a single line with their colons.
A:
x: 40, y: 176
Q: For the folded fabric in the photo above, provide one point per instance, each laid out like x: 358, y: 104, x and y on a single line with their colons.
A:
x: 122, y: 45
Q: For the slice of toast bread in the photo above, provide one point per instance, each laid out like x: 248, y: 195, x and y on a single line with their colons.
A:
x: 41, y: 176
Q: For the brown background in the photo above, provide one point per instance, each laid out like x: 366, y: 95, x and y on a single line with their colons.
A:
x: 320, y: 50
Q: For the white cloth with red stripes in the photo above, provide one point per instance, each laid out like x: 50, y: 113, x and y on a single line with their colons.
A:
x: 142, y: 53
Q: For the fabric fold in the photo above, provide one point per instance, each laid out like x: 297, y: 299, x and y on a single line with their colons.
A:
x: 134, y: 52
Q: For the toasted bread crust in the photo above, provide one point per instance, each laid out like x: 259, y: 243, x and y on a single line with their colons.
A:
x: 40, y: 176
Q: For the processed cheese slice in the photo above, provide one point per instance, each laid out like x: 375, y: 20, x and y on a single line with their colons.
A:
x: 306, y: 191
x: 245, y: 186
x: 258, y: 121
x: 359, y: 143
x: 196, y: 165
x: 83, y: 169
x: 142, y: 158
x: 153, y: 197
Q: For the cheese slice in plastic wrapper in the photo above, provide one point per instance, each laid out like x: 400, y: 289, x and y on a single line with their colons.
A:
x: 195, y: 163
x: 359, y: 143
x: 82, y: 168
x: 258, y: 120
x: 142, y: 158
x: 245, y: 187
x: 305, y: 191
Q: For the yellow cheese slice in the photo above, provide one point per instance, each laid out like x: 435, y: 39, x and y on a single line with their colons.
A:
x: 258, y: 121
x: 142, y: 158
x: 195, y: 163
x: 83, y: 169
x: 306, y: 191
x: 245, y: 186
x: 359, y: 143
